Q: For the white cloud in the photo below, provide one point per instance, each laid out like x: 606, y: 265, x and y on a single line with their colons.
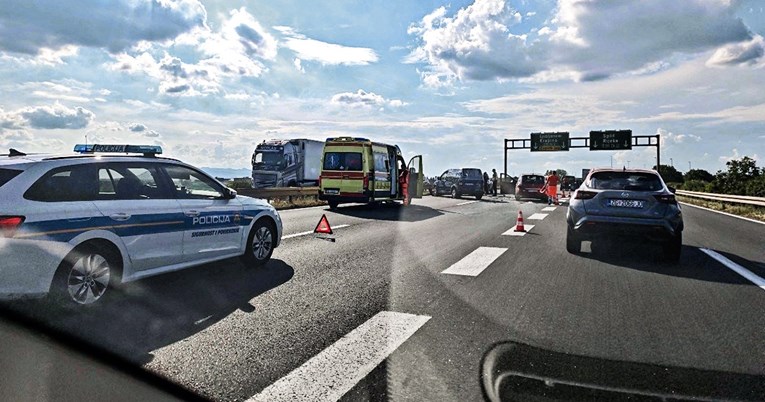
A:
x: 28, y: 28
x: 323, y: 52
x: 365, y: 99
x: 299, y: 65
x: 237, y: 49
x: 738, y: 53
x: 56, y: 116
x: 638, y: 38
x: 668, y: 137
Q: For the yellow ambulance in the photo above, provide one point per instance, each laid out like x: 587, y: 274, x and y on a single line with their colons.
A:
x: 357, y: 170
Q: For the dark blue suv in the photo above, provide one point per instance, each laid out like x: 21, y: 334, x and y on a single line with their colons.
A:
x: 458, y: 182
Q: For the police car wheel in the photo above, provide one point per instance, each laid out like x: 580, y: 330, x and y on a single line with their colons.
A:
x: 455, y: 194
x: 260, y: 244
x: 85, y: 277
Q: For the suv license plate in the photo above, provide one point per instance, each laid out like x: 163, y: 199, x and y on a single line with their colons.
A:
x: 625, y: 203
x: 332, y: 191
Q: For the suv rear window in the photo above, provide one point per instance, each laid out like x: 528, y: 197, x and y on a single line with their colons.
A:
x: 7, y: 174
x: 342, y: 161
x: 533, y: 180
x: 625, y: 181
x: 472, y: 174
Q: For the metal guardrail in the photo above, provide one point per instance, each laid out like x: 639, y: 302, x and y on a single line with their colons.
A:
x: 279, y: 192
x: 733, y: 199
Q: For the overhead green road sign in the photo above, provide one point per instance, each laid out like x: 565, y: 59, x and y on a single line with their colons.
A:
x: 549, y: 142
x: 610, y: 140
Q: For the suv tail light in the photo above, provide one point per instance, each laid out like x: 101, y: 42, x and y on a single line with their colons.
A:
x: 584, y: 195
x: 319, y: 181
x: 366, y: 182
x: 666, y: 199
x: 9, y: 224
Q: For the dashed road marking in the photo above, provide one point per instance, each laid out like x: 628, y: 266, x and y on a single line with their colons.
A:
x: 290, y: 236
x: 338, y: 368
x: 537, y: 217
x: 474, y: 263
x: 467, y: 202
x: 749, y: 275
x: 548, y: 209
x: 512, y: 231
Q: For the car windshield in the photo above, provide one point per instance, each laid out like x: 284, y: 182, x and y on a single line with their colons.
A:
x: 342, y: 161
x: 472, y: 174
x: 269, y: 158
x: 533, y: 179
x: 269, y: 200
x: 625, y: 181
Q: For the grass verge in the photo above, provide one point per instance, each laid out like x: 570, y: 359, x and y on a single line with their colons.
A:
x: 297, y: 202
x: 747, y: 211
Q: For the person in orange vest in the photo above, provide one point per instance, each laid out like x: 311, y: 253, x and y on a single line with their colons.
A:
x: 403, y: 181
x: 551, y: 188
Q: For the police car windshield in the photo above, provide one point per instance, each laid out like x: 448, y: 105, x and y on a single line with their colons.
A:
x: 7, y: 174
x: 268, y: 158
x: 625, y: 181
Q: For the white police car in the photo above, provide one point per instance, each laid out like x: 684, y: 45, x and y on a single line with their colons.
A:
x: 77, y: 225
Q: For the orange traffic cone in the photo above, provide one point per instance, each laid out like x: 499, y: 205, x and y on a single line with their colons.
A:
x: 519, y: 223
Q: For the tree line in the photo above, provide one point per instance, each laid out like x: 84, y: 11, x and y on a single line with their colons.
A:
x: 741, y: 177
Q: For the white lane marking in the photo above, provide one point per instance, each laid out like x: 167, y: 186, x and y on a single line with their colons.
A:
x: 538, y: 217
x: 467, y: 202
x: 474, y: 263
x: 333, y: 372
x: 311, y: 232
x: 749, y: 275
x: 724, y: 213
x: 548, y: 209
x: 512, y: 231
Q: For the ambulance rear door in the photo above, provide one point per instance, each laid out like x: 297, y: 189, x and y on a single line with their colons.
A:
x: 415, y: 177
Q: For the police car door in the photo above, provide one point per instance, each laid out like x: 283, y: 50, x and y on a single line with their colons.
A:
x: 213, y: 223
x: 142, y: 212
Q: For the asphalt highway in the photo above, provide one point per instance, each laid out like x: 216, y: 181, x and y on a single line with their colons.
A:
x: 374, y: 316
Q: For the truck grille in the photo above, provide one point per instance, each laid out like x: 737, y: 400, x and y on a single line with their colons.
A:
x: 263, y: 180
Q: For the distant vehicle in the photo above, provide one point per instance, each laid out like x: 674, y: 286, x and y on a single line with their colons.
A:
x: 459, y: 182
x: 359, y: 170
x: 76, y: 226
x: 286, y: 163
x: 568, y: 183
x: 628, y: 202
x: 507, y: 183
x: 528, y: 186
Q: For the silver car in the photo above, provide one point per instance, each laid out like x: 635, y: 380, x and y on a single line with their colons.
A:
x: 628, y: 202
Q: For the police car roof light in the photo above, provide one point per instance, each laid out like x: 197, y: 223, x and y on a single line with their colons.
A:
x: 148, y: 150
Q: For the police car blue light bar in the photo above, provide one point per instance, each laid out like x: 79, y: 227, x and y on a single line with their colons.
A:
x: 111, y: 148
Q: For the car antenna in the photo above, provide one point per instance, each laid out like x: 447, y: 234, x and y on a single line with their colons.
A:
x: 15, y: 152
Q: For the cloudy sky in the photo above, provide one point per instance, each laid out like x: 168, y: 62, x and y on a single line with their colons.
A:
x: 208, y: 80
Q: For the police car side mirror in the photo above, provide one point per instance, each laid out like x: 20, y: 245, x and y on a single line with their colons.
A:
x: 671, y: 189
x: 230, y: 193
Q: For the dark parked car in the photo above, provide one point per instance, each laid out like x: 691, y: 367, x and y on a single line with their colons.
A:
x: 629, y: 203
x: 467, y: 181
x: 528, y: 186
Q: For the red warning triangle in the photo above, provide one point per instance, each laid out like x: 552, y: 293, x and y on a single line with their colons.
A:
x: 323, y: 226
